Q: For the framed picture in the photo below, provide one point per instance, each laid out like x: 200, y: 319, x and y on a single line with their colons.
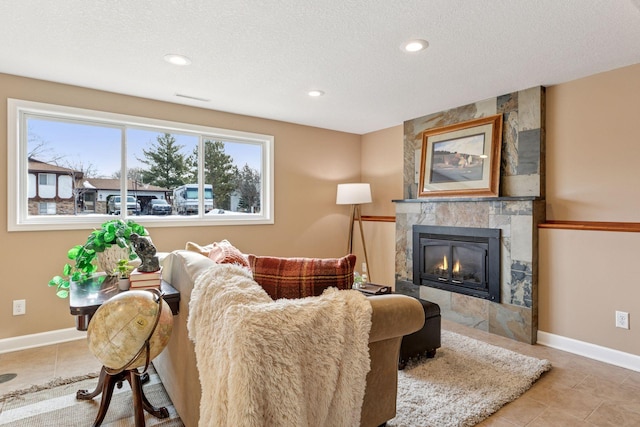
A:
x: 462, y: 159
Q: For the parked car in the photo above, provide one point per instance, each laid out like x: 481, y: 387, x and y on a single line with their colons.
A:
x: 113, y: 205
x: 158, y: 207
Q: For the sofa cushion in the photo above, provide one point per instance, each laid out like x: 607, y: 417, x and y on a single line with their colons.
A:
x: 224, y: 252
x: 301, y: 277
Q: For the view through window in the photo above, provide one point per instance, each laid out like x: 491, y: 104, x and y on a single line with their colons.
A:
x: 74, y: 165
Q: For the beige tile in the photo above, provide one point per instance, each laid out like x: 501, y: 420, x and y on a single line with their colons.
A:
x: 575, y: 403
x: 496, y: 421
x: 33, y: 367
x: 615, y: 414
x: 609, y: 390
x: 74, y: 358
x: 522, y: 411
x: 633, y: 379
x: 554, y: 417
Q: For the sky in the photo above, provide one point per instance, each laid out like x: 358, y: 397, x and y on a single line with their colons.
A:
x: 473, y: 144
x: 99, y: 146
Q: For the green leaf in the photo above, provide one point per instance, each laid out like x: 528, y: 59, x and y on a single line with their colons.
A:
x: 109, y: 236
x: 74, y: 251
x: 66, y: 270
x: 55, y: 281
x: 62, y: 293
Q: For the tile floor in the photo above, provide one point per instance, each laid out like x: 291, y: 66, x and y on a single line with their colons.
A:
x: 576, y: 392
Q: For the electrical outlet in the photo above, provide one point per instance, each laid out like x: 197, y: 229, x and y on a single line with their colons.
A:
x: 19, y: 307
x: 622, y: 319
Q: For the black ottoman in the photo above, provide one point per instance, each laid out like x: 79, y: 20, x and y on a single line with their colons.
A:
x: 422, y: 343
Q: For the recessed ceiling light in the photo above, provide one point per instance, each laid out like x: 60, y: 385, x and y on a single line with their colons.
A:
x: 176, y: 59
x: 416, y: 45
x: 315, y: 93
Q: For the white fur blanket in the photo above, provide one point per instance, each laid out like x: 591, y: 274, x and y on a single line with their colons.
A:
x: 277, y: 363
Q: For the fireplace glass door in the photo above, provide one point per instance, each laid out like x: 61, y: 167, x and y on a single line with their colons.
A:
x: 460, y: 263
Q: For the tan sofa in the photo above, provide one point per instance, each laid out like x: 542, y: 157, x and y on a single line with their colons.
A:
x: 393, y: 317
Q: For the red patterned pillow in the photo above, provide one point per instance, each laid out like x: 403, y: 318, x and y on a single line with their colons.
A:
x: 301, y: 277
x: 224, y: 252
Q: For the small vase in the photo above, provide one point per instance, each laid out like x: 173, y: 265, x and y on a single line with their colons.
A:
x: 124, y: 284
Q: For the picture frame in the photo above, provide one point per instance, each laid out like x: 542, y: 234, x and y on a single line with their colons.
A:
x: 462, y: 160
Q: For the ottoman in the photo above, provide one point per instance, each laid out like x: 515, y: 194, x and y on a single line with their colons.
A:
x: 422, y: 343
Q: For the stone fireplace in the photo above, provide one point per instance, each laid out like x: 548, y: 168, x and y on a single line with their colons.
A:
x: 515, y: 214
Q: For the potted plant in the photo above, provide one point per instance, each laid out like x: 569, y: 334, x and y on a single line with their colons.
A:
x: 114, y: 234
x: 124, y: 269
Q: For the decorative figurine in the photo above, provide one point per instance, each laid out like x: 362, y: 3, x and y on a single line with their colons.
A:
x: 146, y: 251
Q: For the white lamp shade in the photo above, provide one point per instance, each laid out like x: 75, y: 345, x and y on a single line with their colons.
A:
x: 353, y: 194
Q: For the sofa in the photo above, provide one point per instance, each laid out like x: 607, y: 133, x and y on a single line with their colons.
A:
x: 393, y: 316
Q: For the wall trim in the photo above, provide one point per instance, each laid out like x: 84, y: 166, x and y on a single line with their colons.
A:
x: 40, y: 339
x: 592, y: 351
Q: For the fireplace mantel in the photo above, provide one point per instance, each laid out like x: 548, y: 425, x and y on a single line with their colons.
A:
x: 468, y: 199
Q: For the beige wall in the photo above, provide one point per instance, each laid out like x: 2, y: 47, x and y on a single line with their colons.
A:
x: 382, y: 167
x: 309, y: 162
x: 592, y: 146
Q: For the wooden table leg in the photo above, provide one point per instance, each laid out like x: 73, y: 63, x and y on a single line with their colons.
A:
x: 107, y: 391
x: 106, y: 384
x: 86, y: 395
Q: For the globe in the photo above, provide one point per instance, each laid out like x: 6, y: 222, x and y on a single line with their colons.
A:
x: 119, y: 329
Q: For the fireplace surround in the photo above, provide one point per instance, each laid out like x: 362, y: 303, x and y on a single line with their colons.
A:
x: 516, y: 212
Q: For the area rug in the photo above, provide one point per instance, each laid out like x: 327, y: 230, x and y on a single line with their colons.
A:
x: 55, y: 404
x: 465, y: 383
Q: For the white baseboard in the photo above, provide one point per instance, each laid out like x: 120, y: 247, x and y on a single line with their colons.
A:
x: 41, y: 339
x: 592, y: 351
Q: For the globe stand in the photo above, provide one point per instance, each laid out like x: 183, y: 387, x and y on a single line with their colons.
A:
x: 108, y: 381
x: 110, y: 378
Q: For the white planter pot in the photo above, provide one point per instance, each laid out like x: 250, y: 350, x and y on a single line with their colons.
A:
x: 124, y: 284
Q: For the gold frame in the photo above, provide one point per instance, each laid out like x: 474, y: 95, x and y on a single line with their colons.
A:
x: 475, y: 173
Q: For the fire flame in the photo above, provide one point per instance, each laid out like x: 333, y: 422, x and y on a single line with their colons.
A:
x: 456, y: 267
x: 445, y: 264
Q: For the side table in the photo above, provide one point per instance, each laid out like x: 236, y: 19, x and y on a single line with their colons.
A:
x: 84, y: 301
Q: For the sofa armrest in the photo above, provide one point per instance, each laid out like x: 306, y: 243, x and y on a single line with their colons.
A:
x: 394, y: 315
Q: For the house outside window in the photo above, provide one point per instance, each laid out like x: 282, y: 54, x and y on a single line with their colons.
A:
x: 69, y: 162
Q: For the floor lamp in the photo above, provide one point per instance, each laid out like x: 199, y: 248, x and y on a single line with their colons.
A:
x: 355, y: 195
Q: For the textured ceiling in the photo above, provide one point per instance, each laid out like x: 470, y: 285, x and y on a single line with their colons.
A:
x: 260, y: 58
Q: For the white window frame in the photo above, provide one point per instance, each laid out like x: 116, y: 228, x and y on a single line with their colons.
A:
x: 18, y: 218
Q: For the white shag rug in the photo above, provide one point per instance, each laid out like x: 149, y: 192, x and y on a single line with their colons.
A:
x: 465, y: 383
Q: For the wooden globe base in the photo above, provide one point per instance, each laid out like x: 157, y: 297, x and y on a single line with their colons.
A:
x: 108, y: 381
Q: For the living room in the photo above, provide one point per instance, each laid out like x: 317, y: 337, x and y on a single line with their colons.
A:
x: 590, y: 178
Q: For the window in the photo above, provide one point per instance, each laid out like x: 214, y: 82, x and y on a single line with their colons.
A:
x: 69, y: 168
x: 46, y: 208
x: 47, y: 185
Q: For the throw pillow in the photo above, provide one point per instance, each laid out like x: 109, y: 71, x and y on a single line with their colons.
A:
x: 224, y: 252
x: 301, y: 277
x: 203, y: 250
